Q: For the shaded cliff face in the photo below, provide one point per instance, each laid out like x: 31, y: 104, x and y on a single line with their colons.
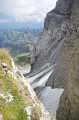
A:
x: 59, y: 14
x: 50, y: 42
x: 57, y: 78
x: 69, y: 101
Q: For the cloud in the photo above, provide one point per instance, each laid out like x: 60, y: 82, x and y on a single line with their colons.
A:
x: 28, y: 9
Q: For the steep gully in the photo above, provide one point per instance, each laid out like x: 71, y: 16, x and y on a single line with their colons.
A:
x: 48, y: 96
x: 53, y: 54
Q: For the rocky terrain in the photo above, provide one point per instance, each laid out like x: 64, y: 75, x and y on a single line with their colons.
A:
x: 70, y: 96
x: 69, y: 101
x: 55, y: 47
x: 63, y: 63
x: 57, y: 41
x: 48, y: 96
x: 18, y: 101
x: 55, y: 29
x: 54, y: 64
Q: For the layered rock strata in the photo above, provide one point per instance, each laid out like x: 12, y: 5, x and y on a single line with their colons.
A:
x: 56, y: 42
x: 57, y: 78
x: 60, y: 35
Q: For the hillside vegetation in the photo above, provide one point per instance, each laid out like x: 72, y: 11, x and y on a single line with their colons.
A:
x: 14, y: 94
x: 14, y: 109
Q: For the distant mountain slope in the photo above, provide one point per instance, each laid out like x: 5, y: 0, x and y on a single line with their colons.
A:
x: 28, y: 34
x: 19, y: 40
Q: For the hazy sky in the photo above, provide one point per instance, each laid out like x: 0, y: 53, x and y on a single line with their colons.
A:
x: 28, y: 9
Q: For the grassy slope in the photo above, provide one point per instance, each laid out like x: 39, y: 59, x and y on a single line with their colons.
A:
x: 14, y: 110
x: 4, y: 56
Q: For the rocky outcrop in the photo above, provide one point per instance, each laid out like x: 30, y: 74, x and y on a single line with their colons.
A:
x: 69, y: 101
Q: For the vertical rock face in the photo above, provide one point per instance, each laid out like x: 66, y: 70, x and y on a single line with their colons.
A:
x: 57, y: 41
x: 59, y: 14
x: 69, y: 101
x: 55, y: 29
x: 57, y: 78
x: 60, y: 36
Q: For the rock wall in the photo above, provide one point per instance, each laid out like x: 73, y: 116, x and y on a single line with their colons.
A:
x: 55, y: 29
x: 60, y: 36
x: 57, y: 41
x: 69, y: 101
x: 57, y: 78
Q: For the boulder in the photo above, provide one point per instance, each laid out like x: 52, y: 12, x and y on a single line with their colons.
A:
x: 4, y: 65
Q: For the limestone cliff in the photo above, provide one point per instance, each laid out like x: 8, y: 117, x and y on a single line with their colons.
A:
x: 55, y: 29
x: 60, y: 36
x: 69, y: 101
x: 18, y: 101
x: 61, y: 33
x: 57, y: 78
